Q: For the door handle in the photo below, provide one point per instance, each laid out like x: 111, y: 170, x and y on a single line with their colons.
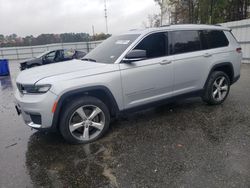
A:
x: 207, y: 55
x: 165, y: 62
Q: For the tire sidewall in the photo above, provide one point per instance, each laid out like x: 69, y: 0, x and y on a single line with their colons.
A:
x: 209, y: 89
x: 71, y: 107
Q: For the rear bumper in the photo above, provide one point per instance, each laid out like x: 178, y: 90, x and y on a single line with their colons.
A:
x: 36, y: 110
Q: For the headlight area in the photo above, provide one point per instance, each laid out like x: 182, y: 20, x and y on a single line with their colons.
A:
x: 33, y: 89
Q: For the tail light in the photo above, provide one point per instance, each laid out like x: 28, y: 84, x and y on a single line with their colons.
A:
x: 239, y: 50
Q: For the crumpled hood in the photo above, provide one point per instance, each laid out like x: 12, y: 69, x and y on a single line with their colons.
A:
x: 31, y: 61
x: 63, y: 70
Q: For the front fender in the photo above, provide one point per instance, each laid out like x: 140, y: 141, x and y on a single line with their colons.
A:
x: 81, y: 91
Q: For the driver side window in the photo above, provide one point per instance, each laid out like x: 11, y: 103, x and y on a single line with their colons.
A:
x: 156, y: 45
x: 51, y: 56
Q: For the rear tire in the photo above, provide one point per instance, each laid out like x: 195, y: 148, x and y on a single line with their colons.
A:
x: 217, y: 88
x: 84, y: 120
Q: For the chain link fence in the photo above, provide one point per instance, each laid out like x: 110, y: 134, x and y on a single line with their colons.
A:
x: 240, y: 29
x: 21, y: 53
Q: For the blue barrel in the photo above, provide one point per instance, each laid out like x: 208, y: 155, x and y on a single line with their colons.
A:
x: 4, y: 67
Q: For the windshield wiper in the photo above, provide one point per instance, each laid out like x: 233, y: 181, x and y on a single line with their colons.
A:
x: 88, y: 59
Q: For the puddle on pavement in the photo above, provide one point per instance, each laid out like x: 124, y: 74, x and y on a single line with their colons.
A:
x: 52, y: 162
x: 5, y: 82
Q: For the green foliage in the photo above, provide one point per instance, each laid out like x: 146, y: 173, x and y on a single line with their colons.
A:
x: 204, y: 11
x: 100, y: 36
x: 153, y: 20
x: 14, y: 40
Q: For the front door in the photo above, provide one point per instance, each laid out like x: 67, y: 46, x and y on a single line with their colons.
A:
x: 49, y: 58
x: 150, y: 79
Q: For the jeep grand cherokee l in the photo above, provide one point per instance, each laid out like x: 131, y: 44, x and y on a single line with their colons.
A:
x: 133, y: 70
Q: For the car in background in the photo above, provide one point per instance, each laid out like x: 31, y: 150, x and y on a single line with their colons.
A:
x: 53, y: 56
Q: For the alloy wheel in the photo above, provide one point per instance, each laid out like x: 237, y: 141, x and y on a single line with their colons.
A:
x: 87, y: 122
x: 220, y: 89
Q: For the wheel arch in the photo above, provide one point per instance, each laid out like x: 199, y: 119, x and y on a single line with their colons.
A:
x: 100, y: 92
x: 226, y: 67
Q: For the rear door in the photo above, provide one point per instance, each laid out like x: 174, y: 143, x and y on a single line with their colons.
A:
x: 59, y: 56
x: 151, y: 79
x: 49, y: 58
x: 190, y: 61
x: 216, y: 43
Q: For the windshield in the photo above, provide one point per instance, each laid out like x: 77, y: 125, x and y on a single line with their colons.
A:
x: 42, y: 54
x: 111, y: 49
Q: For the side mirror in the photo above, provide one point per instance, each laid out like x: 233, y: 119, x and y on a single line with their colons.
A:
x: 135, y: 55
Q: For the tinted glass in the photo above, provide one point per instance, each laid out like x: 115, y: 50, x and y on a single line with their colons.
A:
x: 185, y: 41
x: 111, y: 48
x: 59, y: 55
x: 42, y: 54
x: 154, y: 44
x: 51, y: 56
x: 213, y: 39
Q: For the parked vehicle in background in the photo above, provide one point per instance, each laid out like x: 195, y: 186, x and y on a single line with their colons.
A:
x: 135, y: 70
x: 53, y: 56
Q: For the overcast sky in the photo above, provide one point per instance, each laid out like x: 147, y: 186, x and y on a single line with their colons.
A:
x: 33, y: 17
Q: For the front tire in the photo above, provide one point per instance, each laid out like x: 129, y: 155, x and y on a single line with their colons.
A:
x: 84, y: 120
x: 217, y: 88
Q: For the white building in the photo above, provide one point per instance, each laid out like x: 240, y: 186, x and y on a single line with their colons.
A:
x: 241, y: 30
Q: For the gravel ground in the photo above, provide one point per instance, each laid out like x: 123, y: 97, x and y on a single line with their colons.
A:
x: 186, y: 144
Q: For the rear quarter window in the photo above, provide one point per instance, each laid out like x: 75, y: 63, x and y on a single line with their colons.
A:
x: 213, y: 39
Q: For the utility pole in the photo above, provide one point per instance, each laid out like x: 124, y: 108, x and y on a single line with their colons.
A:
x: 106, y: 15
x: 93, y: 30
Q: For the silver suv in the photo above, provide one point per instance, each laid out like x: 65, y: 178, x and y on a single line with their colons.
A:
x: 138, y: 69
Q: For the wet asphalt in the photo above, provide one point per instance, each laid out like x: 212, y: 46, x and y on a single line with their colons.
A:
x: 185, y: 144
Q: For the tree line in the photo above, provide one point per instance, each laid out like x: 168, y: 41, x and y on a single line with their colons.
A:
x: 14, y: 40
x: 199, y: 11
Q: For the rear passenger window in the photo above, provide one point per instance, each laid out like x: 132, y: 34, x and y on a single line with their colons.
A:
x: 155, y: 45
x: 213, y: 39
x: 185, y: 41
